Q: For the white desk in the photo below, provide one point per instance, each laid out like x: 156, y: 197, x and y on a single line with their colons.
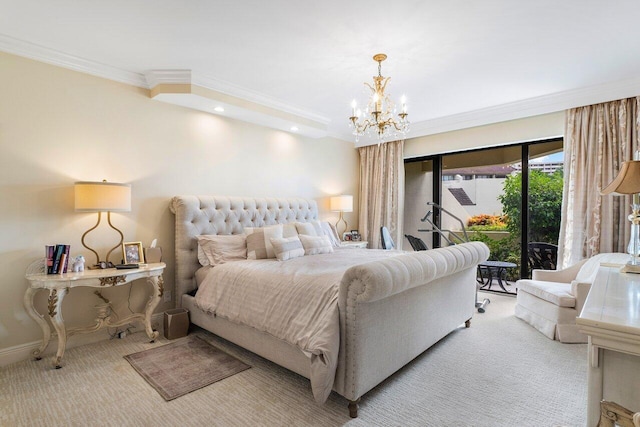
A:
x: 611, y: 319
x: 59, y: 285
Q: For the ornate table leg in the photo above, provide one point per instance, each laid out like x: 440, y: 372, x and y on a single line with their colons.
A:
x: 39, y: 318
x: 158, y: 290
x: 55, y: 313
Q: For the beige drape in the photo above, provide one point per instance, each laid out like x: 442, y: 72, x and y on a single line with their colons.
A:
x: 381, y: 191
x: 598, y: 138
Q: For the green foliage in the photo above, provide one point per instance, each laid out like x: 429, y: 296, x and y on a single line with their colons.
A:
x: 485, y: 222
x: 545, y: 202
x: 506, y: 249
x: 501, y: 227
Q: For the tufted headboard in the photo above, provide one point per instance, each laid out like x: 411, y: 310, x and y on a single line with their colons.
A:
x: 196, y: 215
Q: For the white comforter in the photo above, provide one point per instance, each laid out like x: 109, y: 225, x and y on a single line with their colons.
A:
x: 294, y: 300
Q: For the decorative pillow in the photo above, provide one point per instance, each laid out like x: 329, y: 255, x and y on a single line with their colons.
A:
x: 315, y: 245
x: 331, y: 232
x: 289, y: 230
x: 287, y: 248
x: 218, y: 249
x: 307, y: 229
x: 258, y: 241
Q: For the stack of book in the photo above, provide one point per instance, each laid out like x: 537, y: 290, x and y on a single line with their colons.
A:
x: 57, y: 258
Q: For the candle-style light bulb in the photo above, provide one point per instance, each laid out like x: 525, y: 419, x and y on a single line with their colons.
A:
x: 403, y: 101
x: 354, y: 104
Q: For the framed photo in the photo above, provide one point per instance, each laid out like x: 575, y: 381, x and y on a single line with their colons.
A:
x: 132, y: 253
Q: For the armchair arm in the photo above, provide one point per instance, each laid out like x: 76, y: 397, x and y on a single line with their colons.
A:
x: 561, y: 276
x: 580, y: 290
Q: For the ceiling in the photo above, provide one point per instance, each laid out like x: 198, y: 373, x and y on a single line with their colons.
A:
x: 460, y: 63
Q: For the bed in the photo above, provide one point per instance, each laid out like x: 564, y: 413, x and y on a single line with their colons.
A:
x: 387, y: 311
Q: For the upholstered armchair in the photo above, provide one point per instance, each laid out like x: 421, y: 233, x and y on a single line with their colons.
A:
x: 552, y: 299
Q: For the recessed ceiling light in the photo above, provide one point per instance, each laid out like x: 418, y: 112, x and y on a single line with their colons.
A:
x: 219, y: 109
x: 294, y: 129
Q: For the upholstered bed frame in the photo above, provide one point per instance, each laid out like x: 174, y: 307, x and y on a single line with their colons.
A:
x: 413, y: 299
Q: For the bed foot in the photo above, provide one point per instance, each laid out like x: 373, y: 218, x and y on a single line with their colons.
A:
x: 467, y: 324
x: 353, y: 408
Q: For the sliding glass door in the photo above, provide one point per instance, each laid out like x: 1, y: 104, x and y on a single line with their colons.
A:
x: 489, y: 195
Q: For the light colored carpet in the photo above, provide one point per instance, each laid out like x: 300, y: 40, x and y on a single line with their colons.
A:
x: 499, y: 372
x: 186, y: 365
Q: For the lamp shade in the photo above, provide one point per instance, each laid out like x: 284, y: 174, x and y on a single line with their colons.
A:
x: 627, y: 181
x: 102, y: 197
x: 341, y: 203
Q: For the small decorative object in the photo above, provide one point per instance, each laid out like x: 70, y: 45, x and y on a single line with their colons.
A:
x: 78, y: 264
x: 132, y: 253
x: 355, y: 235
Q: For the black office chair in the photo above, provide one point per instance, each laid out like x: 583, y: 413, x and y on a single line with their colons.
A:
x: 387, y: 241
x: 416, y: 243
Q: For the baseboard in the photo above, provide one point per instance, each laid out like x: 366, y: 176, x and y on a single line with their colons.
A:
x: 21, y: 352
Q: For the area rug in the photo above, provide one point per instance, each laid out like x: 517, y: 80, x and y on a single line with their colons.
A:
x: 184, y: 366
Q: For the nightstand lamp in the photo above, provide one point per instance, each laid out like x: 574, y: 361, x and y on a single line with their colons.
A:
x: 628, y: 182
x: 341, y: 204
x: 102, y: 197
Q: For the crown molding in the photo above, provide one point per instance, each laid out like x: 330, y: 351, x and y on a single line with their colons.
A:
x: 504, y: 112
x: 257, y: 98
x: 75, y: 63
x: 172, y: 77
x: 536, y: 106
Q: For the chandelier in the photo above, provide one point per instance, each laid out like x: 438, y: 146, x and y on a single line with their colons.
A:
x: 379, y: 116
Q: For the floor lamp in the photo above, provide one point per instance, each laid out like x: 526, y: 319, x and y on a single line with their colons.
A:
x: 102, y: 197
x: 628, y: 182
x: 341, y: 204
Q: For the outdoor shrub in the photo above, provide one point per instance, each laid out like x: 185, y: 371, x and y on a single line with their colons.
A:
x: 506, y: 249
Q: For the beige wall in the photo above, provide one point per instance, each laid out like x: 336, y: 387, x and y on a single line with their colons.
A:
x: 528, y: 129
x: 58, y: 126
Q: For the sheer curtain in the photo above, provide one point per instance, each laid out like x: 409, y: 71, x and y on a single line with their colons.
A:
x: 381, y: 191
x: 598, y: 138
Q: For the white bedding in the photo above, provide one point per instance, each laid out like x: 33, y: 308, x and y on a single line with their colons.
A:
x: 294, y: 300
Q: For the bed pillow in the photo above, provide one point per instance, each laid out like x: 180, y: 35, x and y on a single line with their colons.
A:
x: 218, y: 249
x: 307, y: 229
x: 258, y: 241
x: 287, y: 247
x: 289, y: 230
x: 315, y: 245
x: 331, y: 232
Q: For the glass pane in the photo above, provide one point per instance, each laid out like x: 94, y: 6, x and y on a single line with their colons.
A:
x: 545, y: 203
x: 418, y: 192
x: 473, y: 185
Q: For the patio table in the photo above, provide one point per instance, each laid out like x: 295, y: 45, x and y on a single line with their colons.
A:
x: 489, y: 270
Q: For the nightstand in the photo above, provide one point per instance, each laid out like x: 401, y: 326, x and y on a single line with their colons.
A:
x: 354, y: 244
x: 59, y: 285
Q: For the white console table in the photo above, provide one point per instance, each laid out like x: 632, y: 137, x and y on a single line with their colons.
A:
x: 611, y: 319
x: 59, y: 285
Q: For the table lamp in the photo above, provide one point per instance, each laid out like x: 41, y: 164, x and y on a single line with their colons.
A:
x: 102, y: 197
x: 341, y: 204
x: 628, y: 182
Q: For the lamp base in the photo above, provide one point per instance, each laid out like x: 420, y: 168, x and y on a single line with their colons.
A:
x: 630, y: 268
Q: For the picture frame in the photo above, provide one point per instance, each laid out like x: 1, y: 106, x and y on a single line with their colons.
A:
x: 132, y: 253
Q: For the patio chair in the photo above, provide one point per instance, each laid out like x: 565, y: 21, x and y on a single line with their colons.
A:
x: 542, y: 256
x: 416, y: 243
